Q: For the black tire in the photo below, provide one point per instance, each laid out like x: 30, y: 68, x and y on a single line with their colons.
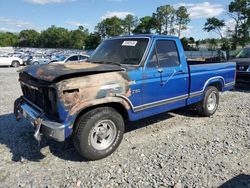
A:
x: 86, y: 126
x: 36, y: 63
x: 205, y: 107
x: 15, y: 64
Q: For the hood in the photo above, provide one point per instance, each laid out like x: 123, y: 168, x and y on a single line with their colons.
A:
x: 242, y: 61
x: 56, y: 71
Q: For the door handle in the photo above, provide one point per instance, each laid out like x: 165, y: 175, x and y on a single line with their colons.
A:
x: 181, y: 72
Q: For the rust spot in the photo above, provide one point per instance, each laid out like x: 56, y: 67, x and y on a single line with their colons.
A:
x: 128, y: 93
x: 40, y: 74
x: 94, y: 89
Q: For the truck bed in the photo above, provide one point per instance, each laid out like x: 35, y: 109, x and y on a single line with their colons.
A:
x: 201, y: 73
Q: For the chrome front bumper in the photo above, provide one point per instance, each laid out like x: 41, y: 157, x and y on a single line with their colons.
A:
x: 43, y: 124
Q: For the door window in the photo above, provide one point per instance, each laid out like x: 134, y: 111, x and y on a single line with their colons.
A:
x: 81, y: 57
x: 153, y: 62
x: 165, y: 54
x: 73, y: 58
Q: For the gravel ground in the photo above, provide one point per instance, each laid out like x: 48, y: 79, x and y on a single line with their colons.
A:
x: 175, y: 149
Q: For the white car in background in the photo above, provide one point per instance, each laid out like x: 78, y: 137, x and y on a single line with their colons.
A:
x: 10, y: 61
x: 70, y: 59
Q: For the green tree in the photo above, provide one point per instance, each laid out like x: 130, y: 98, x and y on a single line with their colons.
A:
x: 145, y: 26
x: 182, y: 19
x: 77, y: 38
x: 92, y: 41
x: 164, y: 16
x: 197, y: 44
x: 8, y: 39
x: 81, y: 28
x: 55, y: 37
x: 212, y: 44
x: 239, y: 11
x: 129, y: 24
x: 184, y: 42
x: 191, y: 40
x: 29, y: 38
x: 110, y: 27
x: 214, y: 24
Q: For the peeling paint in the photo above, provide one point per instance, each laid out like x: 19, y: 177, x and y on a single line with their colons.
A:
x: 83, y: 85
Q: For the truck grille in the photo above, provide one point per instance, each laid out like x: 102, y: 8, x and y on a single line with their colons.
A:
x: 43, y: 97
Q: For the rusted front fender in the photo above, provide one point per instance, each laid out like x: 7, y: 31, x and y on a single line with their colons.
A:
x: 104, y: 101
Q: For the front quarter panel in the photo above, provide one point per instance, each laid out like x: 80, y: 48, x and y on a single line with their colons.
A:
x: 76, y: 94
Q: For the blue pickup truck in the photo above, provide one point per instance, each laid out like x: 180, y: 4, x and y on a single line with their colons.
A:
x: 125, y: 79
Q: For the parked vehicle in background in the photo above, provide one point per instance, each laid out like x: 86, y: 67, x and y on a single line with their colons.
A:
x: 56, y: 58
x: 243, y: 65
x: 10, y: 61
x: 71, y: 58
x: 37, y: 59
x: 25, y: 58
x: 206, y: 55
x: 125, y: 79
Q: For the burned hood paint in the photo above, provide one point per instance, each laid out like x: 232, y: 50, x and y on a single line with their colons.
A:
x: 56, y: 71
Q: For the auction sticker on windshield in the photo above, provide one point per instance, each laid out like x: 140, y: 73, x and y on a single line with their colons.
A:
x: 129, y: 43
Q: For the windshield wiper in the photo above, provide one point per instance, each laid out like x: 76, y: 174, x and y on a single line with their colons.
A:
x: 106, y: 62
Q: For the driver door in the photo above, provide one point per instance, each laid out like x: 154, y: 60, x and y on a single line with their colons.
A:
x: 166, y: 82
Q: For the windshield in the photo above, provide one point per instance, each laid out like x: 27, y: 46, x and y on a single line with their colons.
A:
x: 123, y: 51
x: 244, y: 53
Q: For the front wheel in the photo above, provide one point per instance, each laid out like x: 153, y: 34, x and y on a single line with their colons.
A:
x: 98, y: 133
x: 208, y: 106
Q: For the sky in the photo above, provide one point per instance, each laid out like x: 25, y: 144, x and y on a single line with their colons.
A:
x: 16, y: 15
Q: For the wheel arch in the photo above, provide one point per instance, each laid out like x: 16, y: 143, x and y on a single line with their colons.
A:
x: 218, y: 82
x: 120, y: 108
x: 13, y: 61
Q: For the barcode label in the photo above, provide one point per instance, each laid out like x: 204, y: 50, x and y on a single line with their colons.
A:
x: 129, y: 43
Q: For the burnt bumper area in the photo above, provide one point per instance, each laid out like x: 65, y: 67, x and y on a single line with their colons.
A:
x: 43, y: 124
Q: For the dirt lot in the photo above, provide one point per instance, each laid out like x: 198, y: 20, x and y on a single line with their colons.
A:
x: 175, y: 149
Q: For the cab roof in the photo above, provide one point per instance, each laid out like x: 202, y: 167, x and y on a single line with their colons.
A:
x: 146, y: 35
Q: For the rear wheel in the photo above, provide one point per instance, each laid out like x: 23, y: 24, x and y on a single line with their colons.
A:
x: 15, y: 64
x: 36, y: 63
x: 210, y: 102
x: 98, y: 133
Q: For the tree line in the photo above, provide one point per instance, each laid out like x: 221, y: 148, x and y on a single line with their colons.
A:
x: 165, y: 20
x: 52, y: 37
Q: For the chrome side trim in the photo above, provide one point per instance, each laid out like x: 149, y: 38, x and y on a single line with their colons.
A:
x: 195, y: 94
x: 159, y: 103
x: 153, y: 104
x: 173, y: 99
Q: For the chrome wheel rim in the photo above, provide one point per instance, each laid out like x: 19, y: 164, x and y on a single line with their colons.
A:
x: 212, y: 101
x: 103, y: 134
